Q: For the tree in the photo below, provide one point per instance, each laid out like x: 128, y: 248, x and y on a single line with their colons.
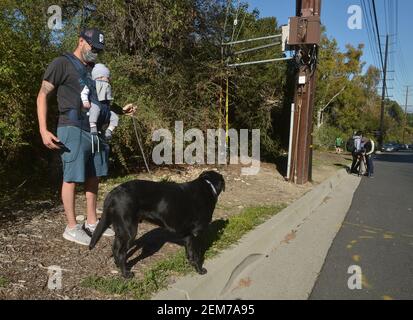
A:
x: 24, y: 44
x: 336, y: 71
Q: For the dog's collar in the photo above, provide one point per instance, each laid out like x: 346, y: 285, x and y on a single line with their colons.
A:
x: 212, y: 187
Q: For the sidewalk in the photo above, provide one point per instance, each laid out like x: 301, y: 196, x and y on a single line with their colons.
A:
x: 281, y: 258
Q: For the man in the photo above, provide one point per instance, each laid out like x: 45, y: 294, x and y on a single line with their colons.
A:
x: 73, y: 140
x: 356, y: 150
x: 369, y: 147
x: 339, y: 144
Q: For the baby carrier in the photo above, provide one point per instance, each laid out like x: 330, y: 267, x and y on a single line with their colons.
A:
x: 80, y: 116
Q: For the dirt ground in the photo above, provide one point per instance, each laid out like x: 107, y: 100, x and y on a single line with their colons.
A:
x: 31, y: 240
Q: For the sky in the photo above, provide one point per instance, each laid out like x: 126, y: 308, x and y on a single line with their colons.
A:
x: 335, y: 16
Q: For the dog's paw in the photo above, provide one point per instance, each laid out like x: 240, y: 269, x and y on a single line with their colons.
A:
x: 202, y: 271
x: 128, y: 275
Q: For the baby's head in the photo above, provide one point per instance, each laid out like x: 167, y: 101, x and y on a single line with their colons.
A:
x: 103, y: 89
x: 100, y: 72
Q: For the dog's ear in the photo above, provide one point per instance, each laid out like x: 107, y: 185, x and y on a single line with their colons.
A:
x: 219, y: 182
x: 215, y: 178
x: 209, y: 175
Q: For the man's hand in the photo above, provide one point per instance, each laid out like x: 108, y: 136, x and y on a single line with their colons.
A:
x: 129, y: 109
x: 47, y: 137
x: 50, y: 140
x: 86, y: 105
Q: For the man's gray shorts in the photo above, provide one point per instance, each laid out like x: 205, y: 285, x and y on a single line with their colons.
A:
x: 79, y: 163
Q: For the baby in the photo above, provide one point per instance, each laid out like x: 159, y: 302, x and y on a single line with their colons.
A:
x: 101, y: 75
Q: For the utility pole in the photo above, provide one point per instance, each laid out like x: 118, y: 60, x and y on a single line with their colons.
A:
x: 383, y: 94
x: 405, y: 113
x: 305, y: 34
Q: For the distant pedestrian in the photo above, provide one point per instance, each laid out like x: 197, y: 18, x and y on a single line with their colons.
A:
x: 339, y: 145
x: 356, y: 149
x: 368, y: 146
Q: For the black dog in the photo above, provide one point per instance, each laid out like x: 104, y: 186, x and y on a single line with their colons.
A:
x: 183, y: 208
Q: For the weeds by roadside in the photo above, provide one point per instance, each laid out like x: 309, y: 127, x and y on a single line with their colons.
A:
x: 3, y: 282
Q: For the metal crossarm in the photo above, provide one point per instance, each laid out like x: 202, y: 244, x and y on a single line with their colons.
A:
x: 251, y: 40
x: 258, y: 62
x: 257, y: 48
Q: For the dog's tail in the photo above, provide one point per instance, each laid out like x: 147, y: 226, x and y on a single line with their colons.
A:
x: 103, y: 224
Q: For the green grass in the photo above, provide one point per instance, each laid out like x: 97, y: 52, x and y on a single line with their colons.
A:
x: 3, y: 282
x: 241, y: 224
x: 220, y: 235
x: 317, y: 163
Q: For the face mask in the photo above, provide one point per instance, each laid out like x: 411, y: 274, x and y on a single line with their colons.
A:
x: 104, y: 90
x: 89, y: 56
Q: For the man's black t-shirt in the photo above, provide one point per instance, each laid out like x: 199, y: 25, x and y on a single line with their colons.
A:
x: 66, y: 80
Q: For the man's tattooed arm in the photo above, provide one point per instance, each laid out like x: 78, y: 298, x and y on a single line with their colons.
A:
x: 46, y: 88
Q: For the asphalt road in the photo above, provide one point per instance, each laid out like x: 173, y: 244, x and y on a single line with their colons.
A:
x: 377, y: 236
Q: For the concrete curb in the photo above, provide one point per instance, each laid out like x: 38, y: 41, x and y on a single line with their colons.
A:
x: 252, y: 248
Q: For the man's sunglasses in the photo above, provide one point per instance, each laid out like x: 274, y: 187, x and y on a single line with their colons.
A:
x: 94, y: 50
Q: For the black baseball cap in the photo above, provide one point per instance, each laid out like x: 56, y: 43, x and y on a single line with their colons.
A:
x: 94, y: 37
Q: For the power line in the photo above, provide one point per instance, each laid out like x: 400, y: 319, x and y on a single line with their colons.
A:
x: 372, y: 32
x: 397, y: 17
x: 369, y: 33
x: 234, y: 27
x: 378, y: 32
x: 374, y: 35
x: 386, y: 14
x: 402, y: 63
x: 391, y: 22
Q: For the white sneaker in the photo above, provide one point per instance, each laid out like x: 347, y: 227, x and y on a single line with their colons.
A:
x: 77, y: 235
x: 90, y: 228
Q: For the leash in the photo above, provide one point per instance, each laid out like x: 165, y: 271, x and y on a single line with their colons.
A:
x: 140, y: 144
